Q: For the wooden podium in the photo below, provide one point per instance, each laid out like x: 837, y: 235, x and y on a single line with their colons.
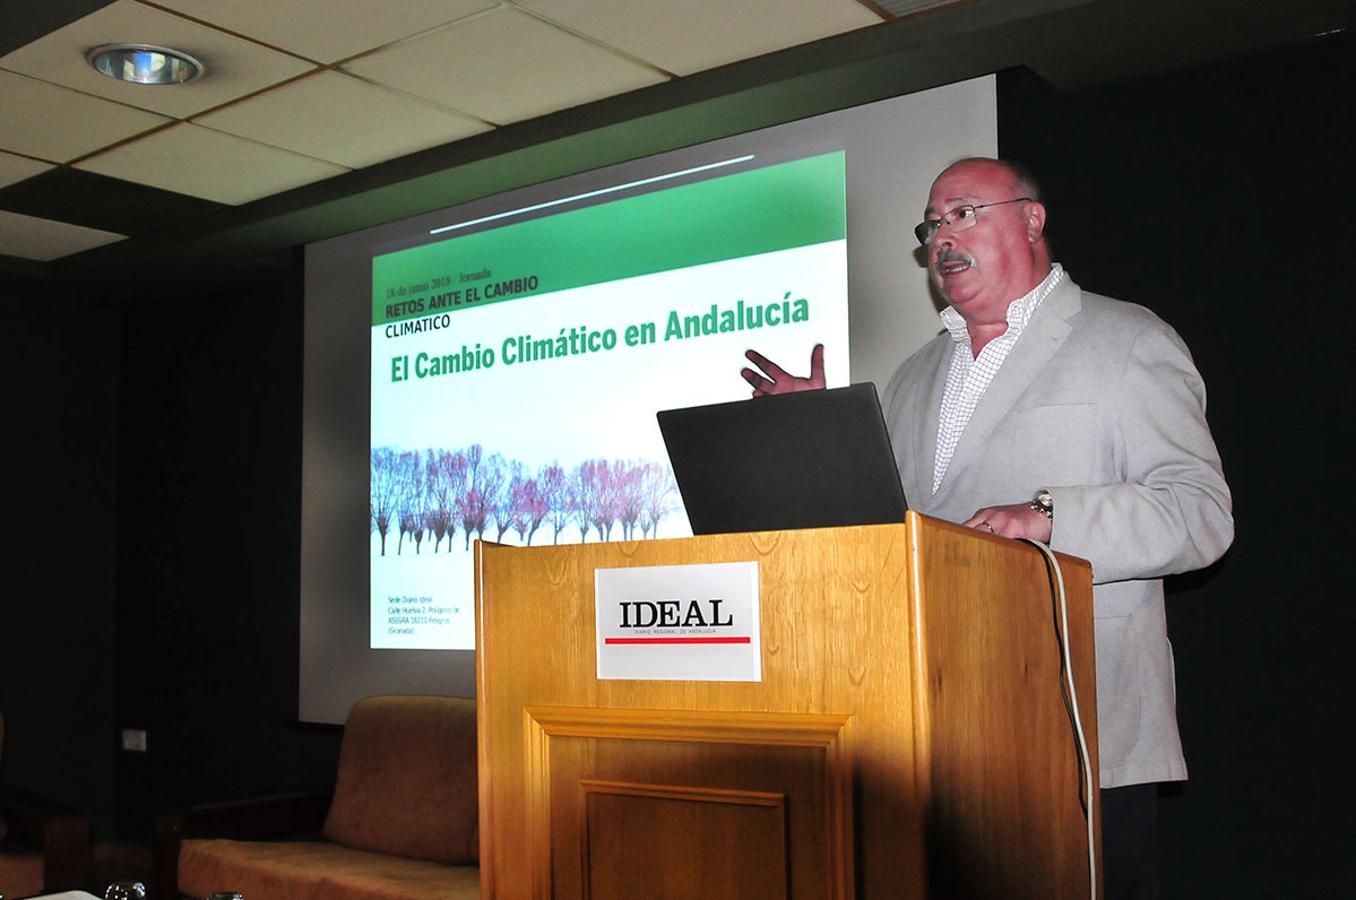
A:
x: 908, y: 738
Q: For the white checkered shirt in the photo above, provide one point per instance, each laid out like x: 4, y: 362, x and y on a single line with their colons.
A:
x: 969, y: 375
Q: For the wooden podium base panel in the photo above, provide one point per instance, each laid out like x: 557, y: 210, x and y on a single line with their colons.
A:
x: 706, y: 804
x: 679, y: 843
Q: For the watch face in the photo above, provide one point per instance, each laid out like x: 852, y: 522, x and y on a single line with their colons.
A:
x: 1044, y: 502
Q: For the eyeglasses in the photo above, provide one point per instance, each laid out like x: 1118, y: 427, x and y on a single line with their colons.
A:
x: 958, y: 219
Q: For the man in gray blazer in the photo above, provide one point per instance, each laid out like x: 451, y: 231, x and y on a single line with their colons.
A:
x: 1047, y: 412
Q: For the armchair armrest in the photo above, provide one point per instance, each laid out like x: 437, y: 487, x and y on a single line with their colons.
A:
x: 60, y: 833
x: 252, y: 819
x: 242, y: 820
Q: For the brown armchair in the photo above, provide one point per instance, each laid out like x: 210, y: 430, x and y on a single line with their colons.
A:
x: 400, y: 824
x: 43, y: 847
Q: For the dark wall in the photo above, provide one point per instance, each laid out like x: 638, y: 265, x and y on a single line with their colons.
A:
x: 1222, y: 198
x: 209, y: 550
x: 151, y: 549
x: 59, y: 365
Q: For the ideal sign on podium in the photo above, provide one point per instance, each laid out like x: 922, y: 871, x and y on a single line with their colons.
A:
x: 679, y: 623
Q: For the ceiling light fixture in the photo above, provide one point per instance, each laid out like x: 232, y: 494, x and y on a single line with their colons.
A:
x: 145, y: 64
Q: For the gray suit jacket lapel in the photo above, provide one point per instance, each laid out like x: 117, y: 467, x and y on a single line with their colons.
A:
x: 1042, y: 337
x: 925, y: 447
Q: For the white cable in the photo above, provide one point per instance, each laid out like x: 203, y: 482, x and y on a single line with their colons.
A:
x: 1073, y: 701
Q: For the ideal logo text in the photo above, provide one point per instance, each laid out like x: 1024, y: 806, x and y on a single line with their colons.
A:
x: 662, y: 613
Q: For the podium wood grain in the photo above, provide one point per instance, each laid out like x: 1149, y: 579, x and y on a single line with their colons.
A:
x: 908, y: 738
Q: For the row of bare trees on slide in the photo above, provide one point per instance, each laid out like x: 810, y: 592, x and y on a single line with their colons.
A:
x: 433, y: 494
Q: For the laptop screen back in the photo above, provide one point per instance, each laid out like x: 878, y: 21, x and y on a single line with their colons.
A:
x: 812, y: 459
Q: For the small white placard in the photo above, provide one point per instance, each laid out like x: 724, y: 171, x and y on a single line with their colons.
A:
x: 679, y: 623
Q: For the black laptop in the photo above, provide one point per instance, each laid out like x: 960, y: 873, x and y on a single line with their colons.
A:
x: 811, y: 459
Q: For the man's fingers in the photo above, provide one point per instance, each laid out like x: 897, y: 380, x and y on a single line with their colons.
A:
x: 980, y: 521
x: 1016, y: 520
x: 756, y: 381
x: 773, y: 379
x: 774, y: 371
x: 817, y: 364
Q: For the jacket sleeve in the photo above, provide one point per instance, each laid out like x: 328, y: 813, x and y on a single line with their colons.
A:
x: 1169, y: 509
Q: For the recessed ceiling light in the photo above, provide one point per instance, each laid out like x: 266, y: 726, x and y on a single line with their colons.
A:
x: 145, y: 64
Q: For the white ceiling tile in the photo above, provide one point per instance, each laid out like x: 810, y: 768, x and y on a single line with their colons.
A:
x: 692, y: 35
x: 29, y: 237
x: 503, y: 67
x: 328, y: 30
x: 14, y: 169
x: 341, y: 119
x: 200, y: 162
x: 235, y: 67
x: 53, y: 123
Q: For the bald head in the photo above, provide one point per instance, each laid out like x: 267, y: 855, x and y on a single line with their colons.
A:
x: 1022, y: 180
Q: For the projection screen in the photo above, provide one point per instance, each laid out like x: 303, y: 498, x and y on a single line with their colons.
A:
x: 491, y: 370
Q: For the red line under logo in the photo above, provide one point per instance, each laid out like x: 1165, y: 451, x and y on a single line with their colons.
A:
x: 677, y: 640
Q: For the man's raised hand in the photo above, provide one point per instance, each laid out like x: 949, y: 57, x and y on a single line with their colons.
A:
x: 773, y: 379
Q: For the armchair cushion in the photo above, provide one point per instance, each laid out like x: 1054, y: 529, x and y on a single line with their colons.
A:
x: 317, y: 871
x: 403, y: 757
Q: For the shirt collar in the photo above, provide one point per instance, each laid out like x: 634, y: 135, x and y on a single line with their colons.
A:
x: 1019, y: 310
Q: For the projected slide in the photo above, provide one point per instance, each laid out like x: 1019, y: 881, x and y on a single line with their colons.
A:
x: 516, y: 371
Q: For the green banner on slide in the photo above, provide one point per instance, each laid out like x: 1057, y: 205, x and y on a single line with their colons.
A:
x: 778, y: 207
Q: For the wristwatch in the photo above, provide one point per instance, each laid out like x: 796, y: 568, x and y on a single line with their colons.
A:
x: 1043, y: 502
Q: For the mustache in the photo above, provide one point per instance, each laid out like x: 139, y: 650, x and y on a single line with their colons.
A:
x: 947, y: 256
